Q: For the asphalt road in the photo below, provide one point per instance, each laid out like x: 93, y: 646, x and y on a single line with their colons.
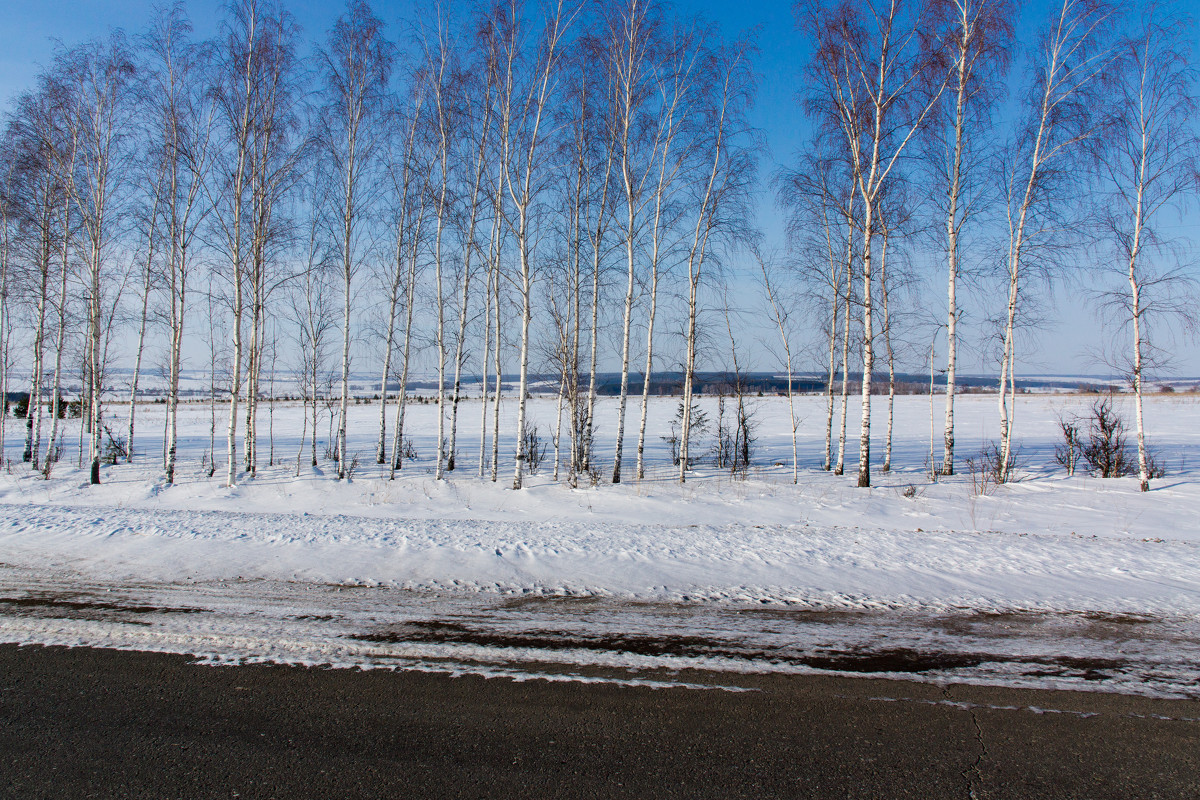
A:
x: 100, y: 723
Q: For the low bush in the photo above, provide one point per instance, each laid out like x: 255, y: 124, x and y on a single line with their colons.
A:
x: 1106, y: 451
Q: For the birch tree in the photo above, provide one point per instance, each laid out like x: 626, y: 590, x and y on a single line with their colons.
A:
x: 182, y: 111
x: 878, y: 87
x: 401, y: 169
x: 494, y: 40
x: 630, y: 30
x: 718, y: 179
x: 477, y: 143
x: 7, y: 223
x: 894, y: 218
x: 65, y: 151
x: 566, y: 296
x: 1147, y: 164
x: 597, y: 159
x: 254, y: 95
x: 101, y: 73
x: 36, y: 191
x: 356, y: 67
x: 1067, y: 67
x: 974, y: 39
x: 311, y: 300
x: 820, y: 226
x: 238, y: 66
x: 525, y: 95
x: 781, y: 315
x: 674, y: 76
x: 276, y: 152
x: 150, y: 222
x: 440, y: 74
x: 414, y: 243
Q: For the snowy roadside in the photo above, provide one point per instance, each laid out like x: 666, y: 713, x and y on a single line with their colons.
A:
x: 805, y: 564
x: 652, y: 604
x: 1048, y: 580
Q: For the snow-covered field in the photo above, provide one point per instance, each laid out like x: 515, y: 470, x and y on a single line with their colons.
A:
x: 1071, y: 548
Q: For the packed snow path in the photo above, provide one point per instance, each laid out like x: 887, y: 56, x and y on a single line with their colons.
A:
x: 597, y: 639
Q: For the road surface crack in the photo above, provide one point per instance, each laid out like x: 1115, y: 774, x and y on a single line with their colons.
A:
x: 973, y: 774
x: 975, y: 767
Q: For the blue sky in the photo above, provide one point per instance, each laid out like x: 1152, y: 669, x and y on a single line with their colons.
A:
x: 29, y: 29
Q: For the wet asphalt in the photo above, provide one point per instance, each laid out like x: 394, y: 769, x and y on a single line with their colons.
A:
x: 81, y: 723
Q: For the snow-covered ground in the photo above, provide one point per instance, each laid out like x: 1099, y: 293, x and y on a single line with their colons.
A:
x: 1076, y: 549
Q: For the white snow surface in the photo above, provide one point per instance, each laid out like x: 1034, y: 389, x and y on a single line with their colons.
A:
x: 816, y: 565
x: 1046, y: 543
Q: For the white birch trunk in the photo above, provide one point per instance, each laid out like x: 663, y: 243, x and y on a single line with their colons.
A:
x: 495, y: 474
x: 891, y: 356
x: 522, y: 199
x: 625, y: 330
x: 459, y: 356
x: 845, y: 392
x: 780, y: 321
x: 271, y: 404
x: 483, y: 377
x: 526, y: 318
x: 953, y: 226
x: 833, y: 338
x: 137, y: 364
x: 689, y: 367
x: 402, y: 231
x: 1135, y: 301
x: 1135, y: 297
x: 695, y: 262
x: 4, y: 324
x: 440, y: 333
x: 402, y: 400
x: 212, y: 388
x: 56, y: 384
x: 1059, y: 80
x: 593, y: 344
x: 33, y: 410
x: 487, y: 340
x: 660, y: 190
x: 178, y: 308
x: 460, y: 341
x: 389, y: 339
x: 96, y: 367
x: 868, y: 340
x: 641, y: 447
x: 562, y: 383
x: 344, y: 406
